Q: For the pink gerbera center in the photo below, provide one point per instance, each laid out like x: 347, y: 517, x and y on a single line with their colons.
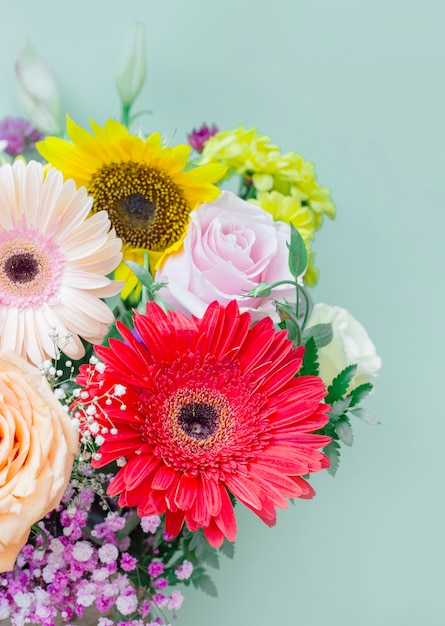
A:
x: 30, y: 267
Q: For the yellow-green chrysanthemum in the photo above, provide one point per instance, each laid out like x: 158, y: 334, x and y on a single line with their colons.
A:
x: 141, y: 184
x: 252, y: 155
x: 290, y: 209
x: 287, y: 209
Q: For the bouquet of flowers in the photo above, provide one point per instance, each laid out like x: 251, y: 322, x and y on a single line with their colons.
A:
x: 161, y: 358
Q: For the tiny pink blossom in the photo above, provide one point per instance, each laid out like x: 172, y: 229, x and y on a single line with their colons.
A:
x: 184, y: 571
x: 82, y: 551
x: 150, y: 523
x: 155, y: 568
x: 175, y: 601
x: 108, y: 553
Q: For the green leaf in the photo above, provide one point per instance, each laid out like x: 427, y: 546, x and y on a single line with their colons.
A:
x: 310, y: 365
x: 291, y: 329
x: 367, y: 416
x: 143, y: 275
x: 344, y: 431
x: 322, y: 333
x: 359, y: 393
x: 339, y: 407
x: 228, y: 548
x: 203, y: 550
x: 340, y: 384
x: 297, y: 253
x: 332, y: 451
x: 206, y: 584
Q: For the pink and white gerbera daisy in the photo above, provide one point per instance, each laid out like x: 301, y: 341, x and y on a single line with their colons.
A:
x: 53, y: 264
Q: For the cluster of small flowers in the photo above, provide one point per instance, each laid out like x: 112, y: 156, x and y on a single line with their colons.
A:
x: 64, y: 569
x: 86, y: 410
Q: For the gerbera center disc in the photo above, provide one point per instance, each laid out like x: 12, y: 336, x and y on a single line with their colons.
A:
x: 198, y: 420
x: 146, y: 208
x: 30, y: 267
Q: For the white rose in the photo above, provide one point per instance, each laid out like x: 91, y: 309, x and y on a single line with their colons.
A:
x: 350, y: 345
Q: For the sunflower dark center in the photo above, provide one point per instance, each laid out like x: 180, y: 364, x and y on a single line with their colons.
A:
x: 145, y: 205
x: 138, y: 209
x: 22, y: 268
x: 198, y: 421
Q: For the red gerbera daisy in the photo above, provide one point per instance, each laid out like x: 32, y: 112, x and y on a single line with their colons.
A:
x: 204, y: 408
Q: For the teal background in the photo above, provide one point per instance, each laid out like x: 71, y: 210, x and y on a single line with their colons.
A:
x: 358, y: 87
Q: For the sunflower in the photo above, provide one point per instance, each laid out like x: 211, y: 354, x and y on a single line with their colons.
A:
x: 53, y: 264
x: 141, y: 184
x: 202, y: 410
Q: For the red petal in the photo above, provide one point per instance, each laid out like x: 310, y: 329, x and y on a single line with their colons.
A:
x: 138, y: 469
x: 186, y: 492
x: 212, y: 495
x: 244, y: 490
x: 174, y: 522
x: 163, y: 477
x: 213, y: 535
x: 226, y: 520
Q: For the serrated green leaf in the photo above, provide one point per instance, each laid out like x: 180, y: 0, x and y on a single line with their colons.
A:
x: 203, y: 550
x: 206, y: 584
x: 310, y: 365
x: 359, y: 393
x: 228, y: 548
x: 339, y: 407
x: 142, y: 274
x: 332, y: 451
x: 365, y: 415
x: 340, y: 384
x: 322, y: 334
x: 344, y: 431
x: 297, y: 253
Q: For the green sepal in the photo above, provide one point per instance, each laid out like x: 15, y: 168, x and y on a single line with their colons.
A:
x: 297, y: 253
x: 322, y: 333
x: 262, y: 290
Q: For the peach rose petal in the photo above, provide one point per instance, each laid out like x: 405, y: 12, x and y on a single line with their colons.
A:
x: 38, y: 444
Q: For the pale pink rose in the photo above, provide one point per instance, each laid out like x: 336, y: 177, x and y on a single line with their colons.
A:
x: 231, y: 246
x: 38, y: 444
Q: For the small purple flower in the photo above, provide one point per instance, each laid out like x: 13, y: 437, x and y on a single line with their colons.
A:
x: 184, y: 571
x: 161, y: 583
x: 156, y: 568
x: 128, y: 562
x: 197, y: 138
x: 20, y: 134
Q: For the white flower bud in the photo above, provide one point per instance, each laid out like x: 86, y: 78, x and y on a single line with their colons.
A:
x: 37, y: 91
x: 132, y: 65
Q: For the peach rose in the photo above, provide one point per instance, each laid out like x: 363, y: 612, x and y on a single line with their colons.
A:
x: 38, y: 444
